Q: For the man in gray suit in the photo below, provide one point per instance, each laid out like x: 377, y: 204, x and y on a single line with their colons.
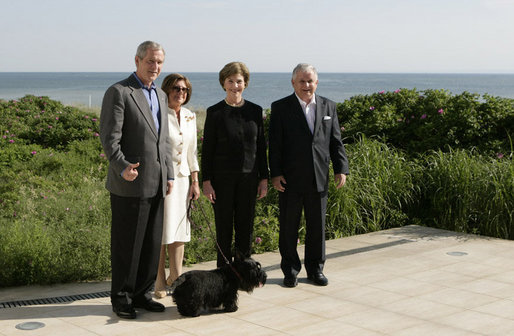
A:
x: 135, y: 138
x: 304, y: 136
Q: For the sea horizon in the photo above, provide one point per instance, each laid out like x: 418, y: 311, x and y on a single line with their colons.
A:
x: 86, y: 88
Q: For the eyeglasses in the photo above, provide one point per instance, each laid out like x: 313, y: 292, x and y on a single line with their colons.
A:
x: 178, y: 89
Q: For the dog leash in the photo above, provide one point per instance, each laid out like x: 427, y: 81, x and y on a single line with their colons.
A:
x: 189, y: 209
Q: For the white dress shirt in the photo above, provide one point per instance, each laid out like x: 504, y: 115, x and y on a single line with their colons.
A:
x: 309, y: 110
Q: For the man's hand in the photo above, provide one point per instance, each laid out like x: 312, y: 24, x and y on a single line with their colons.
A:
x: 340, y: 180
x: 169, y: 186
x: 278, y: 183
x: 130, y: 173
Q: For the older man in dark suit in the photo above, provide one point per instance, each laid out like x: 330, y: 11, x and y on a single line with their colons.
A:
x: 304, y: 136
x: 135, y: 138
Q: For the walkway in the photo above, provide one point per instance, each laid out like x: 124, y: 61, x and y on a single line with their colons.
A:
x: 405, y: 281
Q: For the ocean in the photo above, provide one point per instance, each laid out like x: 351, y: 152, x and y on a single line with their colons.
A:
x: 88, y: 88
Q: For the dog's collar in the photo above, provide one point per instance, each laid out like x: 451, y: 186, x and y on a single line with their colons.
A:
x: 236, y: 272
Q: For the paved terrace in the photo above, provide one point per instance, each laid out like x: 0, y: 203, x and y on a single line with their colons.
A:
x: 405, y: 281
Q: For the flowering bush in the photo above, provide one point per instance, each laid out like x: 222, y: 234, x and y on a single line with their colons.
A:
x: 54, y: 209
x: 419, y: 121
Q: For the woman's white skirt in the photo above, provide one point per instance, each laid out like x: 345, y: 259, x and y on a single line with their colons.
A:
x: 176, y: 226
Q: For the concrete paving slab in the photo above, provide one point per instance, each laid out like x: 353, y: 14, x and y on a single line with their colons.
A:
x: 405, y: 281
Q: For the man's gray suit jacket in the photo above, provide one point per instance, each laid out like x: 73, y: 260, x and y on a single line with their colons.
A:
x: 129, y: 135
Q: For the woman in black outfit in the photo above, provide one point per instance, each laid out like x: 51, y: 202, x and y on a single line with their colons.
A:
x: 234, y: 164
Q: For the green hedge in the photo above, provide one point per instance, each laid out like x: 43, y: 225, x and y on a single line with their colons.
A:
x: 420, y: 121
x: 55, y: 211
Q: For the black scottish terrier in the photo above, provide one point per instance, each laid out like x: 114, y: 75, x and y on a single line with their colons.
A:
x: 195, y: 291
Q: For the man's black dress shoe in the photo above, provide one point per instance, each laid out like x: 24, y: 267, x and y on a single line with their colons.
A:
x: 125, y: 311
x: 290, y: 281
x: 318, y: 278
x: 150, y: 305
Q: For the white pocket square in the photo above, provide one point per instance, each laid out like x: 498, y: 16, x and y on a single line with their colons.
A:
x: 327, y: 118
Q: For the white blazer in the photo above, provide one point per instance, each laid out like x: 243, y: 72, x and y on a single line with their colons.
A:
x: 183, y: 142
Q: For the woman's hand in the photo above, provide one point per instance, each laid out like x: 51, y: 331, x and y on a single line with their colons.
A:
x: 262, y: 189
x: 208, y: 191
x: 194, y: 191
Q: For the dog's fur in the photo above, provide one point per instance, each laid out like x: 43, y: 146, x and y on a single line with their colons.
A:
x: 194, y: 291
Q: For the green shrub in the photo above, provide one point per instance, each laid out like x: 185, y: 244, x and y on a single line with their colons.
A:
x: 431, y: 120
x: 54, y: 209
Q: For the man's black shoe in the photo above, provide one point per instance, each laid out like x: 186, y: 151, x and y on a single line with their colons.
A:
x: 318, y: 278
x: 150, y: 305
x: 124, y: 311
x: 290, y: 281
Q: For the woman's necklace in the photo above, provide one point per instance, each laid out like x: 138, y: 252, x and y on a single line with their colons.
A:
x: 235, y: 105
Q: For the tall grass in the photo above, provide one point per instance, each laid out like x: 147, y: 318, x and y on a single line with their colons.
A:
x: 378, y: 189
x: 466, y: 192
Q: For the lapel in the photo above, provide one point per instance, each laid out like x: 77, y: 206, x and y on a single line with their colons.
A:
x: 320, y: 112
x: 298, y: 114
x: 142, y: 104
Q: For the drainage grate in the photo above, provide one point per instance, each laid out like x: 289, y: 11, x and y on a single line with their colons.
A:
x: 60, y: 299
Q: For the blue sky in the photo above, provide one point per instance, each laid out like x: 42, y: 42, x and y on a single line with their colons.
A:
x: 458, y: 36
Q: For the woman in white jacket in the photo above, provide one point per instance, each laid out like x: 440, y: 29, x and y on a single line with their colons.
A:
x: 176, y: 226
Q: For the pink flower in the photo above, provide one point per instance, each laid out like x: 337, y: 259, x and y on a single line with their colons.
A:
x: 96, y: 134
x: 371, y: 108
x: 258, y: 240
x: 499, y: 155
x: 56, y: 118
x: 87, y: 117
x: 102, y: 155
x: 11, y: 141
x: 423, y: 116
x: 94, y: 119
x: 33, y: 152
x: 441, y: 111
x: 396, y: 91
x: 381, y: 92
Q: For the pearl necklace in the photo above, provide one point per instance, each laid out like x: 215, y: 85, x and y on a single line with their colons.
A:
x: 237, y: 104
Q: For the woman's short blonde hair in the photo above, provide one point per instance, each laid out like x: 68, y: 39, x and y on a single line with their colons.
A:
x: 171, y: 80
x: 234, y: 68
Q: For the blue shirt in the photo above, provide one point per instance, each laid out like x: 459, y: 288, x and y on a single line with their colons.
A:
x: 151, y: 97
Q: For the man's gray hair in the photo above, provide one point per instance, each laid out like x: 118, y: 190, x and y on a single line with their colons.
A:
x: 304, y: 67
x: 145, y: 46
